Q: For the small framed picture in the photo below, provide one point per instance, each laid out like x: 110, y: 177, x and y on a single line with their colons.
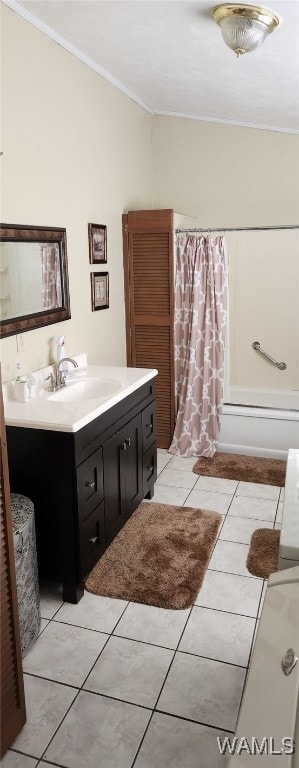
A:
x: 97, y: 238
x: 99, y: 290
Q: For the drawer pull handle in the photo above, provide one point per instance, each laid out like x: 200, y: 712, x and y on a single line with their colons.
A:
x: 126, y: 444
x: 93, y: 539
x: 90, y: 485
x: 289, y: 661
x: 150, y: 468
x: 150, y: 427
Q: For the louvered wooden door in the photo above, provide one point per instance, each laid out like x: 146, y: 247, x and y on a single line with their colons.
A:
x: 13, y: 714
x: 149, y: 292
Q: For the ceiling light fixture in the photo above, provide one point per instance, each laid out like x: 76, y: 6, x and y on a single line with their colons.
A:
x: 244, y: 27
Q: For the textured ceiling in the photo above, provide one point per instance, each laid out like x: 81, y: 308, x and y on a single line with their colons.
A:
x: 169, y: 56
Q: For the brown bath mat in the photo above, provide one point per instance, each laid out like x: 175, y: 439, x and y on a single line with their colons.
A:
x: 251, y: 469
x: 159, y: 557
x: 263, y: 554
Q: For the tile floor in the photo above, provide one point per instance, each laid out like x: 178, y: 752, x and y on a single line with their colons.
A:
x: 112, y: 684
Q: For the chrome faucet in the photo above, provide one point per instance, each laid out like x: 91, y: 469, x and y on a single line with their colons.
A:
x: 60, y: 375
x: 57, y: 378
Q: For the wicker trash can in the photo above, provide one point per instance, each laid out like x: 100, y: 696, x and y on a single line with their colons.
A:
x: 22, y: 510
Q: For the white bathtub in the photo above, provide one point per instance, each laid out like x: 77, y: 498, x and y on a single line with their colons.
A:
x: 260, y: 430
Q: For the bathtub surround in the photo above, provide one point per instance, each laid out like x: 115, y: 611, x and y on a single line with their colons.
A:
x: 247, y: 468
x: 262, y: 559
x: 159, y: 558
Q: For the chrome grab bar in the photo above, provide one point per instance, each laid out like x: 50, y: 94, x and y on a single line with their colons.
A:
x: 256, y: 345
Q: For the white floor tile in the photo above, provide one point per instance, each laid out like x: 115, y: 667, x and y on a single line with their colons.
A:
x: 46, y: 705
x: 262, y: 599
x: 64, y: 653
x: 14, y: 760
x: 240, y: 529
x: 246, y: 506
x: 230, y: 592
x: 217, y: 502
x: 176, y: 479
x: 152, y: 625
x: 203, y: 690
x: 281, y: 497
x: 230, y: 558
x: 93, y: 612
x: 218, y: 635
x: 99, y: 731
x: 181, y: 463
x: 173, y: 743
x: 130, y: 671
x: 258, y: 490
x: 163, y: 459
x: 165, y: 494
x: 216, y: 484
x: 50, y: 598
x: 279, y: 512
x: 46, y: 764
x: 43, y: 624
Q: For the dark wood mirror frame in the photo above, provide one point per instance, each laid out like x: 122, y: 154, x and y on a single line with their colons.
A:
x: 19, y: 233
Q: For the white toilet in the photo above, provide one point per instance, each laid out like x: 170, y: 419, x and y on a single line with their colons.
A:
x: 269, y: 713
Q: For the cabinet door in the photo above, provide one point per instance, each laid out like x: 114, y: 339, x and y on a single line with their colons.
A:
x: 92, y: 540
x: 90, y: 484
x: 133, y: 466
x: 149, y: 469
x: 122, y: 456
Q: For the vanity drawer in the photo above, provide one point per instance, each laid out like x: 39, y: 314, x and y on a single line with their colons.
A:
x: 92, y: 539
x: 90, y: 486
x: 149, y: 468
x: 148, y: 417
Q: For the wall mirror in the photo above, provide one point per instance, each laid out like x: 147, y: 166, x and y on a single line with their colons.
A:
x: 34, y: 287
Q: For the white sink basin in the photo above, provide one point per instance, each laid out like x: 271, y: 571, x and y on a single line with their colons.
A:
x: 89, y: 389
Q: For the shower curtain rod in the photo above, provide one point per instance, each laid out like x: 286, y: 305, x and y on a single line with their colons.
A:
x: 236, y: 229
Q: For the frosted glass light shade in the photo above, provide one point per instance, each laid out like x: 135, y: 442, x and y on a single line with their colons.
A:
x: 244, y: 27
x: 243, y: 35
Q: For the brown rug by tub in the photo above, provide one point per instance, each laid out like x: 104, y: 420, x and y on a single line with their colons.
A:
x: 159, y: 557
x: 262, y: 557
x: 251, y: 469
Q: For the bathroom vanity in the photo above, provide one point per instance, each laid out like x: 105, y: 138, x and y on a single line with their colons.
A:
x: 86, y: 464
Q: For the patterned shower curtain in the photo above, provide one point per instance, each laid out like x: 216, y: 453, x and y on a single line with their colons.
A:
x: 200, y: 330
x: 51, y: 281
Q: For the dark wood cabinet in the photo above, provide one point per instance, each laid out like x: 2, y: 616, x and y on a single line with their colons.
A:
x: 12, y: 699
x: 85, y: 485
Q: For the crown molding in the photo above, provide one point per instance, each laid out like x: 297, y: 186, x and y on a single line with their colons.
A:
x: 14, y: 6
x: 224, y: 121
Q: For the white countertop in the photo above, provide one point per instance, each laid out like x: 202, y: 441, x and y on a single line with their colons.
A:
x: 41, y: 412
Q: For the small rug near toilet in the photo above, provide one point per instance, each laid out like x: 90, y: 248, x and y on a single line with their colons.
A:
x: 263, y: 553
x: 159, y: 557
x: 250, y: 469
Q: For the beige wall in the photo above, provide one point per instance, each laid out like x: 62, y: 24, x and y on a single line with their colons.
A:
x: 263, y: 295
x: 75, y: 150
x: 226, y: 176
